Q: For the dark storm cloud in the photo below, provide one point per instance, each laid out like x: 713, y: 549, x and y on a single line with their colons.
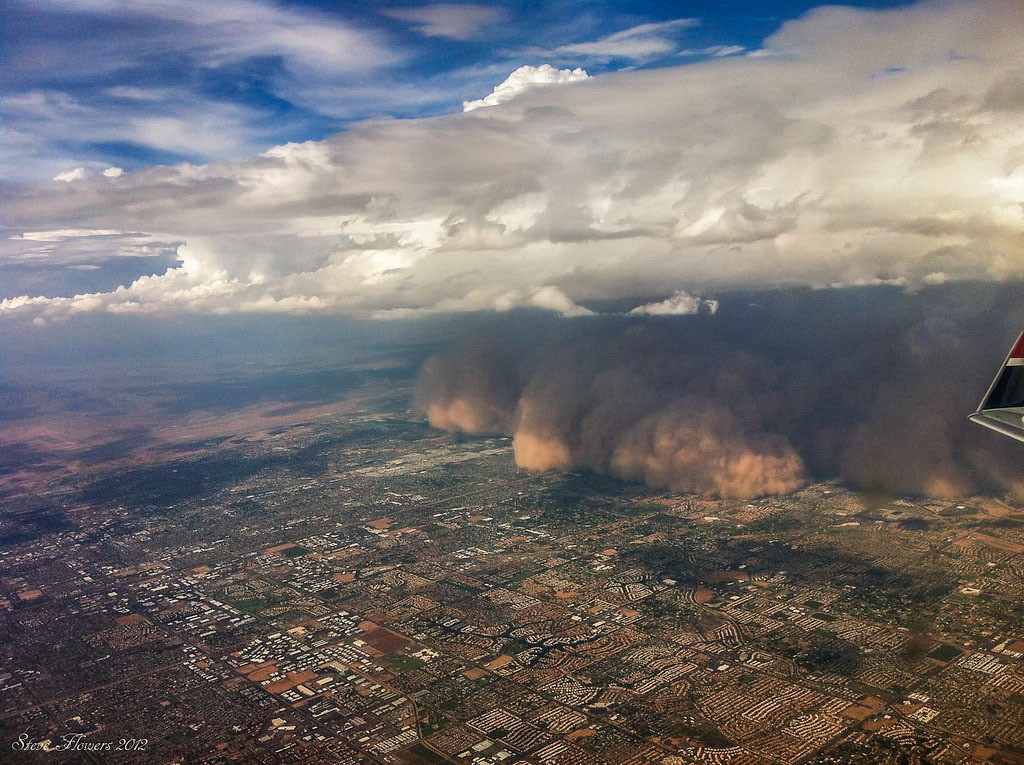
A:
x: 871, y: 386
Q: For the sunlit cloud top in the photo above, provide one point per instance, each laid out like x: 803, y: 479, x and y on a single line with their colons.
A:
x: 630, y: 157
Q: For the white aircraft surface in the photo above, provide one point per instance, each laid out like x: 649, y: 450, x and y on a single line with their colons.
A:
x: 1002, y: 409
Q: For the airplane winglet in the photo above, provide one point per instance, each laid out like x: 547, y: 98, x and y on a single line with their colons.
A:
x: 1002, y: 408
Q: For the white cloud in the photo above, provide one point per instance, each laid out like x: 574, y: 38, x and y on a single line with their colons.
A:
x: 71, y: 175
x: 62, y: 234
x: 801, y: 167
x: 207, y: 132
x: 680, y: 303
x: 718, y: 51
x: 523, y: 79
x: 715, y: 51
x: 456, y: 21
x: 553, y: 299
x: 225, y: 31
x: 187, y: 125
x: 113, y: 172
x: 135, y: 93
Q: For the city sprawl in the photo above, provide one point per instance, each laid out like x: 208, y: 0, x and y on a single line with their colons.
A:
x: 369, y: 591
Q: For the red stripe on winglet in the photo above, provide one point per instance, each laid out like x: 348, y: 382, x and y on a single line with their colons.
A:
x: 1018, y: 349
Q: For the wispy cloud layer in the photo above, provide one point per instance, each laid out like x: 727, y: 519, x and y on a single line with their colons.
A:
x: 221, y: 32
x: 637, y: 44
x: 860, y: 147
x: 450, y: 20
x: 166, y: 81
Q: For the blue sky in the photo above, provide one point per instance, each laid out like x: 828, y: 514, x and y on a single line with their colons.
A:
x: 406, y: 159
x: 97, y: 83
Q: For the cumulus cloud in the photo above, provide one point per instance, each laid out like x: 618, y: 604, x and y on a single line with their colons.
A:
x: 680, y: 303
x: 553, y: 299
x: 774, y: 390
x: 522, y: 79
x: 869, y: 147
x: 456, y: 21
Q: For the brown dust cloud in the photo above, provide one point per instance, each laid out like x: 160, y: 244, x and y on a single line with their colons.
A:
x: 871, y: 386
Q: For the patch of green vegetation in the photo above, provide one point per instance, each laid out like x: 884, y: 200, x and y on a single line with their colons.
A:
x: 294, y: 552
x: 944, y: 653
x: 956, y: 512
x: 399, y: 663
x: 254, y: 605
x: 1007, y: 522
x: 514, y: 646
x: 709, y: 736
x: 829, y: 653
x: 666, y: 612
